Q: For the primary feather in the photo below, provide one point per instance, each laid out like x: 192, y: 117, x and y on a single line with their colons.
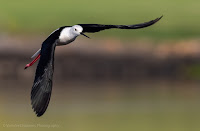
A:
x: 91, y: 28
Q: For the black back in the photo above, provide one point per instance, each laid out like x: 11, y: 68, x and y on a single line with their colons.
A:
x: 42, y: 86
x: 91, y: 28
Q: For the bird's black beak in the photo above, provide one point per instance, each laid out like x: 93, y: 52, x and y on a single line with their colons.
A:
x: 84, y: 35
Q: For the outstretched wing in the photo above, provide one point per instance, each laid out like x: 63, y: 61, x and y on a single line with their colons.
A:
x: 42, y: 86
x: 91, y: 28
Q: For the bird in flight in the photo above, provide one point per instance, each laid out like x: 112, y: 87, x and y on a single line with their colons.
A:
x: 42, y: 85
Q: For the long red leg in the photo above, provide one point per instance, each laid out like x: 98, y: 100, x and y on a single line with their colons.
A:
x: 30, y: 64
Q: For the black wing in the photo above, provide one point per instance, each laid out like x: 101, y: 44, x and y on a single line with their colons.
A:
x: 42, y: 86
x: 90, y: 28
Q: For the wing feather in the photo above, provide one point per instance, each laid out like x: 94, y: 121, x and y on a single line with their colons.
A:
x: 91, y: 28
x: 42, y: 86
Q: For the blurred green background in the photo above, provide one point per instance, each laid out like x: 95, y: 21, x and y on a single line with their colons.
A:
x: 120, y: 80
x: 181, y: 17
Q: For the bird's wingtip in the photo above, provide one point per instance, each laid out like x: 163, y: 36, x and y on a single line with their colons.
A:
x: 157, y: 19
x: 38, y: 114
x: 161, y: 16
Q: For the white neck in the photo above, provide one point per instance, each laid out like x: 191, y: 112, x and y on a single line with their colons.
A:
x: 66, y: 36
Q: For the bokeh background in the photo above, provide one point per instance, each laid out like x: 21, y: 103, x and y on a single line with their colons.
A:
x: 120, y: 80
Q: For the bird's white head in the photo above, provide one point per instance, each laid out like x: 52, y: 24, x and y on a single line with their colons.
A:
x: 76, y: 30
x: 69, y: 34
